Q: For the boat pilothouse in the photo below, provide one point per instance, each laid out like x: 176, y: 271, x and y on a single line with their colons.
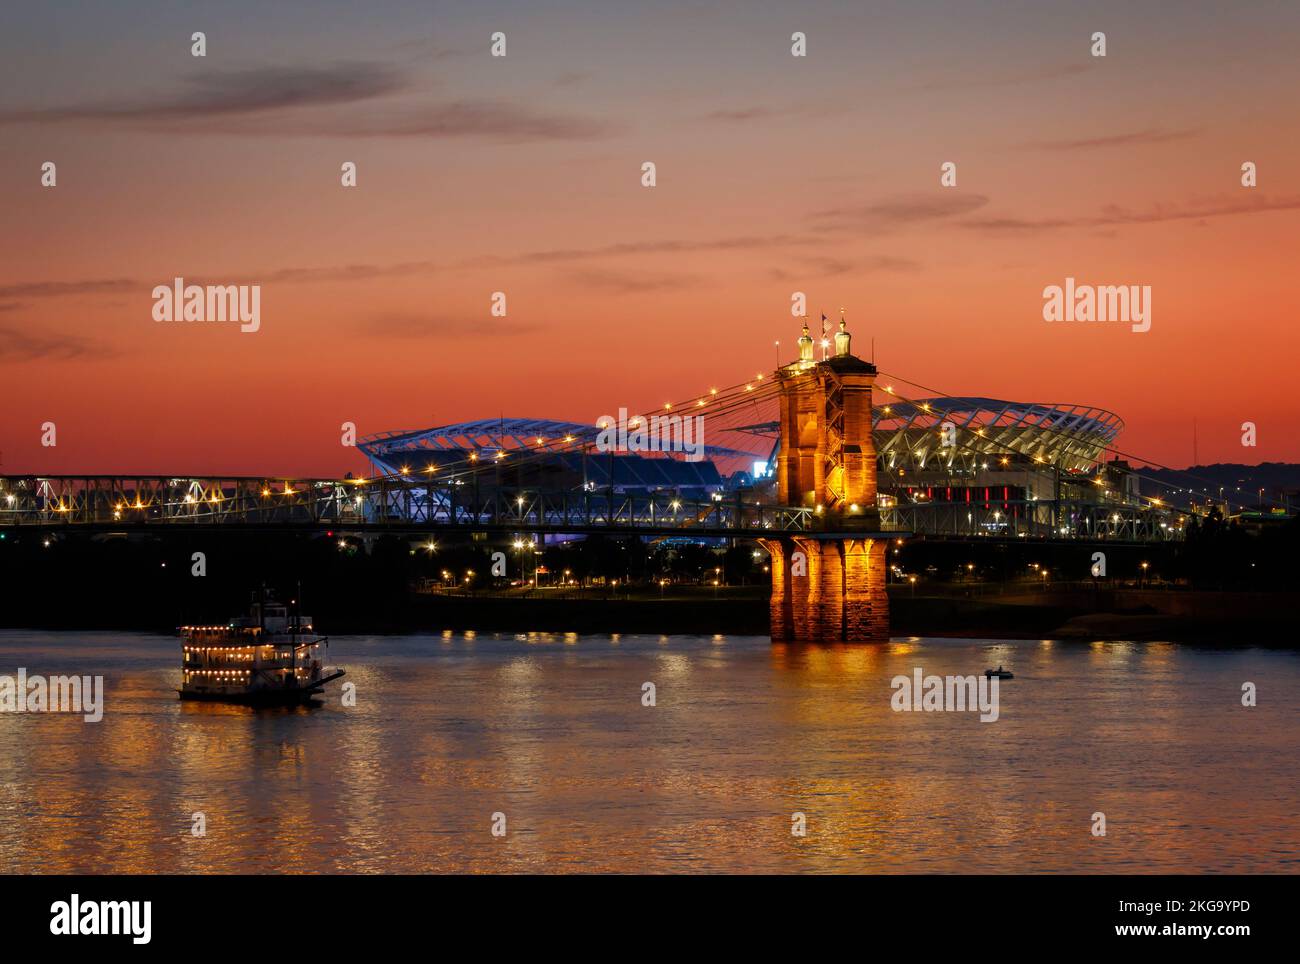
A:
x: 271, y: 656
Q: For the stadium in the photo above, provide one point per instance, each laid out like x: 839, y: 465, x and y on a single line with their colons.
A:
x: 1005, y: 458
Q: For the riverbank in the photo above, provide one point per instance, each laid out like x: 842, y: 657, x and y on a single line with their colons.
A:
x: 1217, y: 620
x: 157, y: 581
x: 978, y: 611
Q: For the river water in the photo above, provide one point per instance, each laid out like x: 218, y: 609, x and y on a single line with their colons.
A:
x: 551, y: 732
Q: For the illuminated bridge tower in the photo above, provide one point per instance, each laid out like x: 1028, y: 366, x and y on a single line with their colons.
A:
x: 828, y: 584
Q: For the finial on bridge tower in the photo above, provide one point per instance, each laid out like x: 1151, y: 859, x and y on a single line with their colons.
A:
x: 842, y: 337
x: 806, y: 348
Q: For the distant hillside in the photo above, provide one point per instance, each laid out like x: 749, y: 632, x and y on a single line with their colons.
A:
x: 1243, y: 480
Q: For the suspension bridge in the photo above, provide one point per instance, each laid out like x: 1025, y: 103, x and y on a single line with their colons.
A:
x: 947, y: 466
x: 852, y: 460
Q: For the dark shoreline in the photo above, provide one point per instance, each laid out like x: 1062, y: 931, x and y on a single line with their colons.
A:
x: 152, y: 581
x: 1219, y: 619
x: 938, y: 616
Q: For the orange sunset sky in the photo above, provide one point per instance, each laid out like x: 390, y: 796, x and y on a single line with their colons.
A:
x: 522, y: 174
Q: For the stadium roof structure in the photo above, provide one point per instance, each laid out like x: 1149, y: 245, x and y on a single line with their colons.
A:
x: 907, y: 433
x: 1073, y: 437
x: 393, y: 451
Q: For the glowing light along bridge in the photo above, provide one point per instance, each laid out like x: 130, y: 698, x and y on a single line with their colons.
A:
x: 121, y: 503
x: 396, y: 504
x: 946, y: 466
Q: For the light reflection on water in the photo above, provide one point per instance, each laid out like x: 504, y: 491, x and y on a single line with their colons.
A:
x: 551, y: 731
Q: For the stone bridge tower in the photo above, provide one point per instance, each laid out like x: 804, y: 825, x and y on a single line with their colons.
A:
x: 828, y: 584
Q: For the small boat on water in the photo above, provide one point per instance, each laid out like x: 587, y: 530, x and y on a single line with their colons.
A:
x: 271, y: 657
x: 999, y: 673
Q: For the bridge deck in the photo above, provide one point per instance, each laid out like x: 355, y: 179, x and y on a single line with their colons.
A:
x: 401, y: 504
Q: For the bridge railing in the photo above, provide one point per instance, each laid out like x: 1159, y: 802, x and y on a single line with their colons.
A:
x: 102, y: 501
x: 1037, y: 519
x: 410, y: 503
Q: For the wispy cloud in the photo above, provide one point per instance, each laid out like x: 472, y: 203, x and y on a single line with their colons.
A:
x: 1127, y: 139
x: 236, y: 93
x: 628, y: 282
x: 666, y: 246
x: 319, y: 102
x: 571, y: 77
x: 496, y: 120
x: 762, y: 112
x: 425, y: 49
x: 1205, y: 208
x: 899, y: 211
x: 293, y: 275
x: 741, y: 114
x: 826, y: 267
x: 346, y: 272
x: 1113, y: 215
x: 418, y: 325
x: 1011, y: 225
x: 1013, y: 78
x: 17, y: 344
x: 56, y: 289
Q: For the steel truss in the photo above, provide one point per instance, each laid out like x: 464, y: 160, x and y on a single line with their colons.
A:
x: 121, y: 502
x: 1066, y: 520
x: 395, y: 503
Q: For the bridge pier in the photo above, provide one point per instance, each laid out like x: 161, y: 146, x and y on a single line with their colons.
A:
x: 829, y: 585
x: 828, y: 590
